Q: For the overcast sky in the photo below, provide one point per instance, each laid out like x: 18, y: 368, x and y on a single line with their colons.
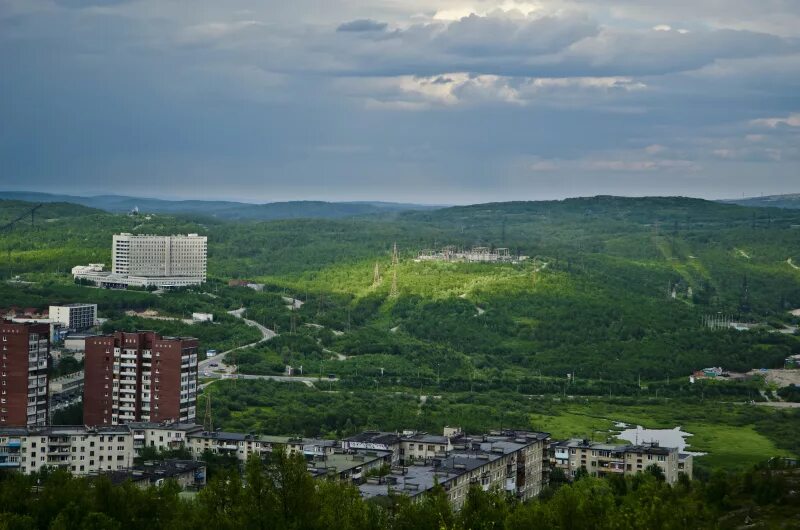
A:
x: 434, y: 101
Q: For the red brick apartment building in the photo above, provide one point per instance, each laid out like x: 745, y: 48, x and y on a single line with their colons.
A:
x: 24, y: 357
x: 139, y: 377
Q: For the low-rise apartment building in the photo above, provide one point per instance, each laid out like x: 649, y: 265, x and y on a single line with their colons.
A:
x: 78, y: 449
x: 513, y: 461
x: 601, y: 459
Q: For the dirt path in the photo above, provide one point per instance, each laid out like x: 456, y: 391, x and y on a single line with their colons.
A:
x: 294, y: 303
x: 792, y: 265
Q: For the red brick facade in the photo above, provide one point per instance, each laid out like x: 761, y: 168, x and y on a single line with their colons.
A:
x: 139, y: 377
x: 24, y: 358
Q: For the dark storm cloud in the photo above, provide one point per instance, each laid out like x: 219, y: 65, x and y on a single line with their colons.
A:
x: 279, y: 100
x: 362, y: 24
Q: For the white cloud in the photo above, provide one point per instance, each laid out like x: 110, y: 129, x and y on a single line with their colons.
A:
x: 215, y: 30
x: 792, y: 120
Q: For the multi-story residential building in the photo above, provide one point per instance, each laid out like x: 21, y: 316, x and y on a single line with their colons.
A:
x: 80, y: 450
x: 24, y: 358
x: 513, y: 461
x: 149, y: 260
x: 601, y: 459
x: 74, y: 317
x: 135, y: 377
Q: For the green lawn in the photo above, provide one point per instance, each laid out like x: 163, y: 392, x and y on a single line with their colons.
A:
x: 716, y: 428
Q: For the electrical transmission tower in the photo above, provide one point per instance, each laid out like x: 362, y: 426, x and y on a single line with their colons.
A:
x: 31, y: 212
x: 393, y: 291
x: 376, y: 275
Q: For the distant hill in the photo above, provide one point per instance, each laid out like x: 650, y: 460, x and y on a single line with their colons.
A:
x: 789, y: 200
x: 228, y: 210
x: 50, y: 211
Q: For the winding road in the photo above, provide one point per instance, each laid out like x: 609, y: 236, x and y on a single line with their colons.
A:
x: 266, y: 334
x: 222, y: 370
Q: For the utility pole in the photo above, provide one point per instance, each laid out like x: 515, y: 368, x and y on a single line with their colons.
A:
x: 208, y: 424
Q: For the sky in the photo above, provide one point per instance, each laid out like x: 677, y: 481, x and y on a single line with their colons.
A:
x: 428, y: 101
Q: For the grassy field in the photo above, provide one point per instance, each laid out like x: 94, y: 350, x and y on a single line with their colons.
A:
x: 718, y: 429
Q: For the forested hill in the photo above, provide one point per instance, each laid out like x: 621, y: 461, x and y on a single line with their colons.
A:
x: 229, y: 210
x: 49, y: 212
x: 638, y: 210
x: 791, y: 200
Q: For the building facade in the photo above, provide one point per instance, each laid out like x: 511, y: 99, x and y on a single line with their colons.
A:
x: 512, y: 461
x: 78, y: 449
x: 602, y: 459
x: 24, y: 358
x: 159, y: 256
x: 139, y: 377
x: 74, y: 317
x: 150, y: 261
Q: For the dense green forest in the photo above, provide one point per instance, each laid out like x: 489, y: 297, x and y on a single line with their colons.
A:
x: 615, y: 293
x: 282, y: 495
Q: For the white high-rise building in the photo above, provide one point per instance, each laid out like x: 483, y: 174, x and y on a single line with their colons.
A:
x: 148, y: 260
x: 155, y: 256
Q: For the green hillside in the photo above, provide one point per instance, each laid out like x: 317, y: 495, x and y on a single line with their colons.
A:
x: 615, y: 292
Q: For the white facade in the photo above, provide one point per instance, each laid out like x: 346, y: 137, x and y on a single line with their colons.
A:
x: 81, y: 451
x: 160, y: 256
x: 74, y: 317
x: 150, y: 261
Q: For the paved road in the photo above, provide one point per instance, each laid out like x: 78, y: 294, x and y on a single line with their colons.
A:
x: 266, y: 334
x: 222, y: 370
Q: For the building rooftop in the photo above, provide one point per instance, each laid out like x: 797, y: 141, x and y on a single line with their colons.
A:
x: 153, y: 471
x: 427, y: 438
x: 185, y: 427
x: 343, y: 462
x: 648, y: 448
x: 375, y: 437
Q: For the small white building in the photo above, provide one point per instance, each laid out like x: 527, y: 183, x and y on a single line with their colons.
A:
x: 202, y: 317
